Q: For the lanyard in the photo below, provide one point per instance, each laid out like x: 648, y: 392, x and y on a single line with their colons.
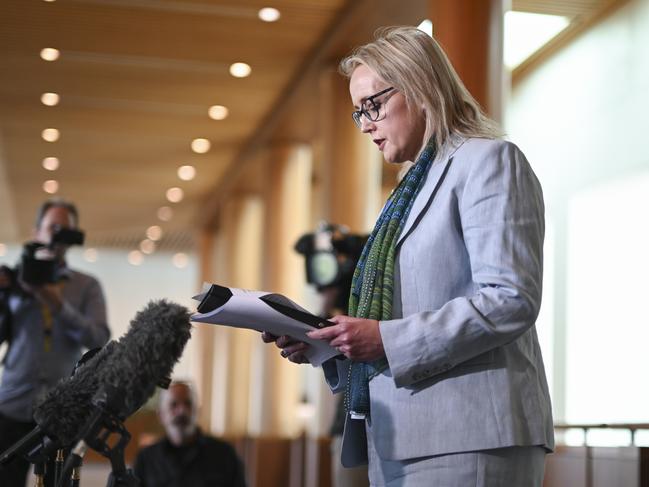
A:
x: 47, y: 327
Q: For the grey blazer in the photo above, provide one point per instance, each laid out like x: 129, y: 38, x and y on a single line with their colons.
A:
x: 465, y: 369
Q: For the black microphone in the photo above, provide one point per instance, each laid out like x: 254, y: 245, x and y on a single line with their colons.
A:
x: 142, y: 359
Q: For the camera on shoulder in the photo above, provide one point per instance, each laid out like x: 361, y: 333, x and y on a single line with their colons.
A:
x: 331, y: 253
x: 38, y: 262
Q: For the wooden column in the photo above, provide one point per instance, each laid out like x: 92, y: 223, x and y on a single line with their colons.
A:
x: 202, y: 341
x: 275, y: 384
x: 242, y: 234
x: 353, y: 165
x: 471, y: 34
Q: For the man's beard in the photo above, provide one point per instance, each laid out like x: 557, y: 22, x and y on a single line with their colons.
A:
x: 183, y: 427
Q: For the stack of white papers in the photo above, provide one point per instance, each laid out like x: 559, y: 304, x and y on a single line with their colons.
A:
x: 263, y: 311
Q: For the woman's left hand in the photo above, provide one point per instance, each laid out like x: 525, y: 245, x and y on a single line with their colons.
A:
x: 357, y: 338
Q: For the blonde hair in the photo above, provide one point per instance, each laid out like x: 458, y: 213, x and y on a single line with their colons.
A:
x: 415, y: 64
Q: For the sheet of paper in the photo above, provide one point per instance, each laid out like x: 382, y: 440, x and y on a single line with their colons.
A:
x: 245, y: 310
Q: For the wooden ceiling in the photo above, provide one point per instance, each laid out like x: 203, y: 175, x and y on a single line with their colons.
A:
x: 136, y: 79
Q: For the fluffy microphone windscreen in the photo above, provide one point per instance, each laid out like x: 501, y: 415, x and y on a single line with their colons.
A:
x: 147, y: 353
x: 142, y: 358
x: 67, y: 407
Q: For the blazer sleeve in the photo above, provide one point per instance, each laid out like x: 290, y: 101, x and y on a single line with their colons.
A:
x: 501, y: 214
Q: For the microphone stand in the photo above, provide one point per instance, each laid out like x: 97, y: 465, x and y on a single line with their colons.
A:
x: 101, y: 426
x: 39, y: 473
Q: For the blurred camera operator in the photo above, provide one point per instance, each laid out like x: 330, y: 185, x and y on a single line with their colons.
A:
x: 331, y: 254
x: 46, y: 324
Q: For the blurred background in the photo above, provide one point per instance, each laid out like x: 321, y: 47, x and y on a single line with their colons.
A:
x: 201, y: 138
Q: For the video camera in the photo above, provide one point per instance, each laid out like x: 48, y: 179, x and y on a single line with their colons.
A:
x: 38, y: 261
x: 331, y: 253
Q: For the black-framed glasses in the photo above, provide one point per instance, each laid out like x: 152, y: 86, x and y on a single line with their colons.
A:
x: 372, y: 109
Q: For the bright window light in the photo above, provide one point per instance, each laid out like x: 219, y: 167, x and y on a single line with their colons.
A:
x: 526, y: 32
x: 427, y: 27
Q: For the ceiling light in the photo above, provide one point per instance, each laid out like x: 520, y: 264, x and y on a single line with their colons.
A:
x: 50, y: 99
x: 135, y: 257
x: 90, y: 255
x: 218, y: 112
x: 526, y: 32
x: 51, y: 186
x: 154, y: 232
x: 175, y: 195
x: 50, y: 54
x: 51, y: 163
x: 3, y: 249
x: 269, y: 14
x: 165, y: 213
x: 240, y: 70
x: 186, y: 173
x: 201, y: 146
x: 180, y: 260
x: 50, y: 135
x: 147, y: 246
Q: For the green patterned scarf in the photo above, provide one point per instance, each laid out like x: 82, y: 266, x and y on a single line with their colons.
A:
x: 372, y: 285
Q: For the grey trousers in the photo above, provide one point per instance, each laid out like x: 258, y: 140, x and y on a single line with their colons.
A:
x: 518, y: 466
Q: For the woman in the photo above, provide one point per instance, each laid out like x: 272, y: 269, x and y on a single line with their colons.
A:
x: 444, y: 372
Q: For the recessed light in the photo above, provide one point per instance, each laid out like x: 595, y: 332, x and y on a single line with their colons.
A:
x: 135, y: 257
x: 154, y: 232
x: 90, y: 255
x: 50, y: 135
x: 186, y: 173
x: 201, y: 146
x: 50, y: 99
x: 51, y: 186
x: 165, y: 213
x: 51, y: 163
x: 240, y: 70
x: 175, y: 195
x: 50, y: 54
x: 269, y: 14
x: 218, y: 112
x: 147, y: 246
x: 180, y: 260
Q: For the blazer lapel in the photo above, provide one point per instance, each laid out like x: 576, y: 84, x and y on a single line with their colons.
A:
x: 435, y: 176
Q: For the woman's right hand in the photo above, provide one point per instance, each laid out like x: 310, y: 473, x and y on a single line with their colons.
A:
x: 292, y: 349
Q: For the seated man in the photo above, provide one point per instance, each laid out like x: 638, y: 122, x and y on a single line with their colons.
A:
x: 186, y: 457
